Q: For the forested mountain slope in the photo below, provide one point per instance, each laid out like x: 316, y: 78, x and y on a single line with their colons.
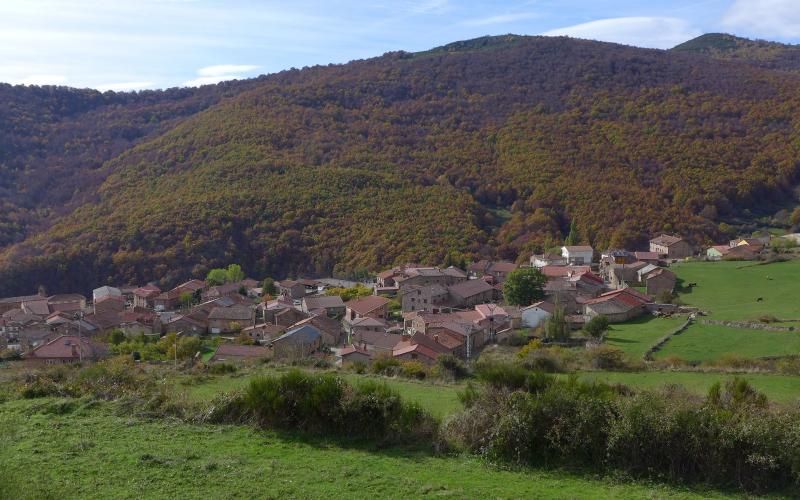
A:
x: 772, y: 55
x: 54, y: 141
x: 487, y: 147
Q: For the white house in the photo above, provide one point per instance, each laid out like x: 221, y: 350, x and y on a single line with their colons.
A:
x: 536, y: 314
x: 580, y: 255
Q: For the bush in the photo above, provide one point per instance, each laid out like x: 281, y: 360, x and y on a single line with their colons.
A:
x: 732, y: 438
x: 605, y: 358
x: 221, y: 368
x: 358, y: 367
x: 596, y: 326
x: 414, y: 369
x: 530, y: 346
x: 385, y: 364
x: 326, y: 404
x: 452, y: 367
x: 542, y: 360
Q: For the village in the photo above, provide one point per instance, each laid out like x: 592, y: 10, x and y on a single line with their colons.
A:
x: 410, y: 312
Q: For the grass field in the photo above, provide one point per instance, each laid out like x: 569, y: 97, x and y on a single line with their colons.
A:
x: 91, y: 452
x: 708, y: 342
x: 439, y: 399
x: 635, y: 337
x: 729, y: 290
x: 784, y: 389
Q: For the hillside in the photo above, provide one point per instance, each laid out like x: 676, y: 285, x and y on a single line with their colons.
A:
x: 55, y: 140
x: 761, y: 53
x: 407, y: 156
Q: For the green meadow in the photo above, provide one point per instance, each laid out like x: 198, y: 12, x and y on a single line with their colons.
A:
x: 635, y: 337
x: 784, y: 389
x: 75, y: 449
x: 701, y: 342
x: 730, y: 290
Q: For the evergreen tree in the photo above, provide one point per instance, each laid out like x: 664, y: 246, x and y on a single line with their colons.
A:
x: 573, y: 238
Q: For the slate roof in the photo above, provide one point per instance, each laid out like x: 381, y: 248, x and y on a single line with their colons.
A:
x: 305, y: 334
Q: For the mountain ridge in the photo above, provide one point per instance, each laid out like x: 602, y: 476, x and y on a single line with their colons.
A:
x: 350, y: 168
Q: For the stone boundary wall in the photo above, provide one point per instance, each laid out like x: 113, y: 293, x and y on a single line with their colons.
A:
x: 648, y: 356
x: 751, y: 325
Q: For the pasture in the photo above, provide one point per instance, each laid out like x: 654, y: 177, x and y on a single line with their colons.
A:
x: 92, y: 450
x: 439, y: 399
x: 701, y: 342
x: 783, y: 389
x: 635, y: 337
x: 730, y: 290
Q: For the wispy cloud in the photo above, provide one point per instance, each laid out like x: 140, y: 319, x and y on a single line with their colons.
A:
x: 226, y: 69
x: 44, y: 79
x: 767, y: 18
x: 429, y: 6
x: 501, y: 19
x: 653, y: 32
x: 219, y: 73
x: 126, y: 86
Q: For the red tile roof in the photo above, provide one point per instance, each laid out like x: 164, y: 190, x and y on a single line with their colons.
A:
x: 67, y: 347
x: 366, y: 305
x: 470, y: 288
x: 564, y: 271
x: 353, y: 349
x: 666, y: 240
x: 419, y: 349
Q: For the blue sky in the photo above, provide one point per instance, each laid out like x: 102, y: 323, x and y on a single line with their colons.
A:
x: 138, y: 44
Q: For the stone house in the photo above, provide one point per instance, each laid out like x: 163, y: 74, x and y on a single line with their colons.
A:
x: 230, y: 319
x: 671, y: 247
x: 332, y: 305
x: 297, y: 343
x: 373, y: 306
x: 660, y: 281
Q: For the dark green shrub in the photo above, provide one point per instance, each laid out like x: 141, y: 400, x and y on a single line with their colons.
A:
x: 326, y: 404
x: 221, y: 368
x: 596, y: 326
x: 542, y: 360
x: 385, y: 365
x: 605, y: 357
x: 502, y: 375
x: 414, y: 369
x: 452, y: 367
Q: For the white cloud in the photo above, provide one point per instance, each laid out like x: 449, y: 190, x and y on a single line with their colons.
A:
x: 226, y: 69
x: 219, y: 73
x: 653, y: 32
x: 209, y: 80
x: 501, y: 19
x: 764, y: 18
x: 125, y: 86
x: 429, y: 7
x: 43, y: 79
